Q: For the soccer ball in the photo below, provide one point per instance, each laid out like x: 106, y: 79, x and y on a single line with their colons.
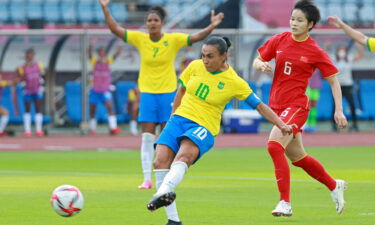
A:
x: 67, y: 200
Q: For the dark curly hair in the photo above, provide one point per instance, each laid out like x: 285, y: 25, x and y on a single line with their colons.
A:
x: 310, y: 10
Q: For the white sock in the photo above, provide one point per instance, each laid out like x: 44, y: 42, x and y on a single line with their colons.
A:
x: 38, y: 122
x: 133, y: 127
x: 112, y: 122
x: 27, y: 122
x: 147, y: 154
x: 173, y: 178
x: 171, y: 210
x: 3, y: 122
x: 93, y: 124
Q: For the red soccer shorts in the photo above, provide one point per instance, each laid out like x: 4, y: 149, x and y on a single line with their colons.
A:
x: 293, y: 115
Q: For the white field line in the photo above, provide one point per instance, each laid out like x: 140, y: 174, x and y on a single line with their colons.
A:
x: 20, y: 172
x: 10, y: 146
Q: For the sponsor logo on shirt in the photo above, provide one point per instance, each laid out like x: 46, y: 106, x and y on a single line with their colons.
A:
x: 278, y: 52
x: 165, y: 43
x: 304, y: 59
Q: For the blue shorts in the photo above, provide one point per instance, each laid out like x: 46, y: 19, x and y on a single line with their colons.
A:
x: 32, y: 97
x: 96, y: 97
x: 178, y: 128
x: 155, y: 108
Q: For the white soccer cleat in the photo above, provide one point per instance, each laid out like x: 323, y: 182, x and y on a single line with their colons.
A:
x: 338, y: 195
x: 283, y: 208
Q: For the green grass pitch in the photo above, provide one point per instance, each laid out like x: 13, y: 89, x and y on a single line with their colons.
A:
x: 226, y: 187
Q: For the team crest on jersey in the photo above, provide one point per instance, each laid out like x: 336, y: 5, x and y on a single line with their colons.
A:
x: 304, y: 59
x: 220, y: 85
x: 165, y: 43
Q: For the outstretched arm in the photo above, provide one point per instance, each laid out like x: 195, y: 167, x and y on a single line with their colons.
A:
x: 260, y: 65
x: 356, y: 35
x: 202, y: 34
x: 267, y: 113
x: 113, y: 26
x: 339, y: 116
x: 118, y: 52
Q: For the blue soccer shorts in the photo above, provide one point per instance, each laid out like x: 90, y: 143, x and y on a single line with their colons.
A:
x: 178, y: 128
x: 155, y: 108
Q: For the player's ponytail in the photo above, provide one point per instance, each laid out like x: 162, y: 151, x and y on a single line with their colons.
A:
x: 222, y: 43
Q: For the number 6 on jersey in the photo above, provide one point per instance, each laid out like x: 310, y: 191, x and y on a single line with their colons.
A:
x: 288, y: 68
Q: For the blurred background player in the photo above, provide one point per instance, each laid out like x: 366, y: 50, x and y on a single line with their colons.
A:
x: 100, y: 92
x: 31, y: 73
x: 187, y: 58
x: 133, y: 108
x: 297, y: 55
x: 197, y: 109
x: 344, y: 63
x: 313, y: 93
x: 4, y: 114
x: 356, y: 35
x: 157, y: 79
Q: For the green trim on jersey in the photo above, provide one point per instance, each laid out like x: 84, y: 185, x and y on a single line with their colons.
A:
x: 182, y: 83
x: 126, y: 36
x: 188, y: 41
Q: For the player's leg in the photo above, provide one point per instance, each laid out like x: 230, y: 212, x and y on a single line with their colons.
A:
x: 276, y: 150
x: 348, y: 94
x: 148, y: 118
x: 4, y: 120
x: 38, y: 116
x: 112, y: 119
x: 27, y: 116
x: 93, y: 99
x: 296, y: 153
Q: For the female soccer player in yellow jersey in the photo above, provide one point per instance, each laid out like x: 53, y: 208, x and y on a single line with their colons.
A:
x: 207, y: 85
x: 356, y: 35
x: 157, y: 76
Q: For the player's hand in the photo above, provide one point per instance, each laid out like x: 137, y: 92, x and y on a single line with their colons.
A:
x: 265, y: 67
x: 340, y: 119
x: 104, y: 3
x: 287, y: 129
x: 335, y: 21
x: 216, y: 19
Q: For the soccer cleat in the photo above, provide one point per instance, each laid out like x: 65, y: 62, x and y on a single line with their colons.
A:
x: 40, y: 133
x: 338, y: 195
x: 3, y: 134
x: 115, y: 131
x: 147, y: 184
x: 27, y: 134
x: 172, y: 222
x: 161, y: 200
x: 283, y: 208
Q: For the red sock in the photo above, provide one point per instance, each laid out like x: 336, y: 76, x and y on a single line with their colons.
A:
x: 316, y: 170
x: 282, y: 171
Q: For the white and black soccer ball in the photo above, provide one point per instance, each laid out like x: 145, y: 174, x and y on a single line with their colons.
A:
x: 67, y: 200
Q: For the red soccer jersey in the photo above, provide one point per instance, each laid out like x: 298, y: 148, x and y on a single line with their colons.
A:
x: 295, y: 63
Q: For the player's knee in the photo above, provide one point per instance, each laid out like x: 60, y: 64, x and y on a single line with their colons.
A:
x: 160, y: 163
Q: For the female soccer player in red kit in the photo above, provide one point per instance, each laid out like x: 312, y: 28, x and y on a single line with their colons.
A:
x: 297, y: 55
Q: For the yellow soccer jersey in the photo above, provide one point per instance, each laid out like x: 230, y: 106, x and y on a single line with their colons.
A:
x: 157, y: 72
x: 371, y: 44
x: 93, y: 61
x: 207, y: 94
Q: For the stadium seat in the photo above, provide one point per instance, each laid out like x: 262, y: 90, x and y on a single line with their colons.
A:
x: 325, y: 103
x: 122, y: 89
x: 86, y: 2
x: 34, y: 11
x: 156, y: 2
x: 68, y: 13
x: 98, y: 14
x: 265, y: 92
x: 18, y: 2
x: 367, y: 92
x: 17, y: 13
x: 173, y: 9
x: 4, y: 15
x: 85, y: 14
x: 51, y: 13
x: 367, y: 12
x: 35, y: 2
x: 119, y: 11
x: 4, y: 2
x: 350, y: 9
x: 334, y: 8
x: 51, y: 2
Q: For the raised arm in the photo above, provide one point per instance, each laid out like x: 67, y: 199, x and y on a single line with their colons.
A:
x: 360, y: 52
x: 356, y: 35
x: 202, y: 34
x: 113, y: 26
x: 89, y: 51
x: 118, y: 52
x: 177, y: 100
x: 339, y: 116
